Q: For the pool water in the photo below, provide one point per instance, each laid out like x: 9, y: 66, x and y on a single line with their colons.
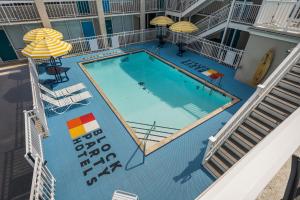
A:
x: 145, y: 89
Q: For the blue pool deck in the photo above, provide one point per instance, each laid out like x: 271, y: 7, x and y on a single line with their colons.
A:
x: 171, y: 172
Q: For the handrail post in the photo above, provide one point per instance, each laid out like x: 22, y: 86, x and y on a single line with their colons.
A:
x: 210, y: 145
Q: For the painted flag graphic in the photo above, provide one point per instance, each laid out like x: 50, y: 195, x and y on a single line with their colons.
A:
x: 82, y: 125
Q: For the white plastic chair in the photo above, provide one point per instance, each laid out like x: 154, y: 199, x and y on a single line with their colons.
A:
x: 67, y: 91
x: 65, y: 103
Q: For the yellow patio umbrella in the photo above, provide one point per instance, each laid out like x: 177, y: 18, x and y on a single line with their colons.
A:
x: 183, y: 27
x: 46, y: 48
x: 161, y: 21
x: 41, y: 33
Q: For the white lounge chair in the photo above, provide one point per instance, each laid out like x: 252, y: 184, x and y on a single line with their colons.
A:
x: 65, y: 103
x: 122, y: 195
x: 67, y: 91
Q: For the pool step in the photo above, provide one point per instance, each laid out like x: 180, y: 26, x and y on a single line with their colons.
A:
x: 281, y: 101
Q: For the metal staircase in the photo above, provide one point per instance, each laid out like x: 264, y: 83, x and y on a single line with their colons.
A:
x: 274, y: 101
x: 185, y: 8
x: 242, y: 14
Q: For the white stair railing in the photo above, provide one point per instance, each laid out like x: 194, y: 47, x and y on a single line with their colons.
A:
x: 38, y: 105
x: 280, y: 15
x: 33, y: 139
x: 214, y: 142
x: 43, y: 182
x: 213, y: 20
x: 244, y: 13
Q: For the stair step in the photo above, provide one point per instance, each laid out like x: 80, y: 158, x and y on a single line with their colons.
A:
x: 260, y: 124
x: 290, y: 82
x: 227, y: 155
x: 236, y: 148
x: 246, y: 130
x: 284, y: 100
x: 223, y: 159
x: 288, y: 85
x: 291, y: 92
x: 217, y: 161
x: 254, y: 128
x: 296, y: 68
x: 214, y: 169
x: 266, y: 117
x: 291, y: 75
x: 271, y: 111
x: 283, y: 105
x: 239, y: 137
x: 275, y: 108
x: 290, y: 95
x: 295, y: 72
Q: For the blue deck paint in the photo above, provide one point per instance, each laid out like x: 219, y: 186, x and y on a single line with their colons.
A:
x: 172, y: 172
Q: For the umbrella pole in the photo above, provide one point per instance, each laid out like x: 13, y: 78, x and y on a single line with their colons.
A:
x: 180, y: 51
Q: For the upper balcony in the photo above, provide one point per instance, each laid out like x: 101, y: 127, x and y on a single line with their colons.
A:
x: 279, y: 15
x: 70, y: 8
x: 112, y: 7
x: 18, y: 12
x: 25, y: 11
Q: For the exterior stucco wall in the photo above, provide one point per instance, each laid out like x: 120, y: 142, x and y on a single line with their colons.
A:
x: 256, y: 48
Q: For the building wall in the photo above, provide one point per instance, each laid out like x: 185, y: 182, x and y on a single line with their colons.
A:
x: 243, y: 39
x: 16, y: 32
x: 256, y: 48
x: 122, y: 23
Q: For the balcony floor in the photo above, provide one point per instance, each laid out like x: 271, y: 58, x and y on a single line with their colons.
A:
x: 172, y: 172
x: 15, y: 96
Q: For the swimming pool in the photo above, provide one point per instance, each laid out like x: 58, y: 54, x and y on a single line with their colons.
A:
x: 155, y: 100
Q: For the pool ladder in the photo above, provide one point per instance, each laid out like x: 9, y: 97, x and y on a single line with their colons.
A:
x: 151, y: 132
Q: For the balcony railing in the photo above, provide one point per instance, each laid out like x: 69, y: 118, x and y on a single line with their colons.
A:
x: 179, y: 6
x: 280, y: 15
x: 11, y: 12
x: 245, y: 13
x: 154, y: 5
x: 121, y: 6
x: 71, y: 9
x: 100, y: 42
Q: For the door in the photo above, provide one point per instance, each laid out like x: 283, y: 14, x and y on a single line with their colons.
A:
x: 88, y: 28
x: 6, y: 50
x: 108, y: 25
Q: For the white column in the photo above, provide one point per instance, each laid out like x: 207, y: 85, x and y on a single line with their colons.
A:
x: 142, y: 15
x: 43, y: 13
x: 101, y: 17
